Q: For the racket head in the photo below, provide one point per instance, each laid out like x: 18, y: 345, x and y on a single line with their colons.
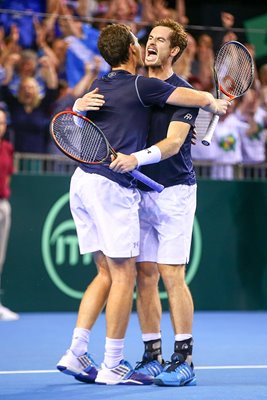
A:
x: 234, y: 69
x: 79, y: 138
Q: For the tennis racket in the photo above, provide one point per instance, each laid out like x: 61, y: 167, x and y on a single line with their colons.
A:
x: 233, y: 75
x: 83, y: 141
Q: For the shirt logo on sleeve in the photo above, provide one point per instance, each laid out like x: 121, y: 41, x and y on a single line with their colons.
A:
x: 188, y: 116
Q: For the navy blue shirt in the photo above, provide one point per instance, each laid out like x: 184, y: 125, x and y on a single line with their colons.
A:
x: 177, y: 169
x: 125, y: 116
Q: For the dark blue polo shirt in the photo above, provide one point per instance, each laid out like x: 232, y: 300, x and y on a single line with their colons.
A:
x: 177, y: 169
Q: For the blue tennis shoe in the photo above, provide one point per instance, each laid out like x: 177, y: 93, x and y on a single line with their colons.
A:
x: 149, y: 366
x: 177, y: 372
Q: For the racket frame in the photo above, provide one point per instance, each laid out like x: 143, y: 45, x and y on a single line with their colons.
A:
x: 219, y: 89
x: 110, y: 151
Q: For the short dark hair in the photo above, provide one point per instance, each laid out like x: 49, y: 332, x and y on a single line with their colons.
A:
x: 178, y: 36
x: 114, y: 42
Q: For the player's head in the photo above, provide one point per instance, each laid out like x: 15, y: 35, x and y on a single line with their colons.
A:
x: 116, y: 43
x: 3, y: 123
x: 166, y: 42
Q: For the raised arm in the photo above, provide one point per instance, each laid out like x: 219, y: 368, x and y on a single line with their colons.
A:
x: 186, y: 97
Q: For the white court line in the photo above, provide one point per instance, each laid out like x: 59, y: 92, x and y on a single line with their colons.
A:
x: 43, y: 371
x: 52, y: 371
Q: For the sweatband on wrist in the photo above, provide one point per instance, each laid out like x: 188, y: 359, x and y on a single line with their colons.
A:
x: 75, y: 109
x: 151, y: 155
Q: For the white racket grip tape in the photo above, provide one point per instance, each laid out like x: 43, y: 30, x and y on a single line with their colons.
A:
x: 213, y: 123
x: 148, y: 181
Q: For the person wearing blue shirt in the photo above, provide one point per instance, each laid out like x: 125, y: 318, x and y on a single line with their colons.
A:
x: 166, y: 219
x: 105, y: 204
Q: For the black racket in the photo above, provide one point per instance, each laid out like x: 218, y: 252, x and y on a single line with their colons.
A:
x: 81, y: 140
x: 233, y: 76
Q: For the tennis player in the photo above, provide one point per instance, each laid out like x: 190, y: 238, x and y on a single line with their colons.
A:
x: 105, y: 204
x: 166, y: 219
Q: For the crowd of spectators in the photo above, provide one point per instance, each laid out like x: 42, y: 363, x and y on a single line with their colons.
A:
x: 49, y: 57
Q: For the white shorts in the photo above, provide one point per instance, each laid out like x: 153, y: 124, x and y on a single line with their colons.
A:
x: 105, y: 214
x: 166, y: 222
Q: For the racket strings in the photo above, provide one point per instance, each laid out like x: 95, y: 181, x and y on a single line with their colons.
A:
x: 234, y: 67
x: 80, y: 139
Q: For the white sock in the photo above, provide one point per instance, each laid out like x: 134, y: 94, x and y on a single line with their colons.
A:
x: 113, y: 352
x: 80, y: 340
x: 146, y: 337
x: 182, y: 336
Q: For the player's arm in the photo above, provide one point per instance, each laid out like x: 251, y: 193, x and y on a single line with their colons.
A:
x: 187, y: 97
x: 168, y: 147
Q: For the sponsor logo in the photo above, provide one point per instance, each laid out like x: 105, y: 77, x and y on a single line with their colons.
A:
x: 67, y: 269
x: 112, y: 74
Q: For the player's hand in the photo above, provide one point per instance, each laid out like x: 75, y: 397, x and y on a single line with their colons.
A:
x: 123, y: 163
x: 218, y: 106
x: 91, y: 101
x: 222, y: 106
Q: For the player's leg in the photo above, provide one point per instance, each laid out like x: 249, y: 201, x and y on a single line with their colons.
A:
x: 88, y: 310
x: 76, y: 361
x: 180, y: 371
x: 148, y: 300
x: 174, y: 250
x: 149, y: 315
x: 181, y: 308
x: 115, y: 370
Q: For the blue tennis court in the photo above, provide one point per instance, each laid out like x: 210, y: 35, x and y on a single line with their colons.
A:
x: 230, y: 357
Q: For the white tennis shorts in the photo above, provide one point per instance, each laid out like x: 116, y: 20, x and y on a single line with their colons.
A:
x: 105, y: 215
x: 166, y: 222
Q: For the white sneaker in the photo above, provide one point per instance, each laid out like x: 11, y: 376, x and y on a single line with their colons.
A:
x: 7, y: 315
x: 123, y: 374
x: 83, y: 368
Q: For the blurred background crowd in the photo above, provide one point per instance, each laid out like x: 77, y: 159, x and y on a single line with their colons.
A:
x: 49, y: 57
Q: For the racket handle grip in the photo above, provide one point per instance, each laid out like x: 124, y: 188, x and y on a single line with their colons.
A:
x: 147, y: 181
x: 210, y: 131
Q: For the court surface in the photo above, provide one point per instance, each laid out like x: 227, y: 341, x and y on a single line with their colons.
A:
x: 230, y: 357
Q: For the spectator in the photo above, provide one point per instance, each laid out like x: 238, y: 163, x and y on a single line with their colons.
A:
x: 23, y: 22
x: 9, y: 44
x: 223, y: 36
x: 30, y: 115
x: 186, y: 64
x: 56, y: 52
x: 226, y: 147
x: 82, y: 45
x: 252, y: 119
x: 27, y: 64
x: 67, y: 96
x: 263, y: 75
x: 6, y: 170
x: 204, y: 61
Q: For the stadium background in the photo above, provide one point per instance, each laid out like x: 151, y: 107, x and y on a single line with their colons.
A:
x: 229, y: 252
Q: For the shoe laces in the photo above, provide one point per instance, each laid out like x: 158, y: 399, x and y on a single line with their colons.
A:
x: 177, y: 360
x: 147, y: 358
